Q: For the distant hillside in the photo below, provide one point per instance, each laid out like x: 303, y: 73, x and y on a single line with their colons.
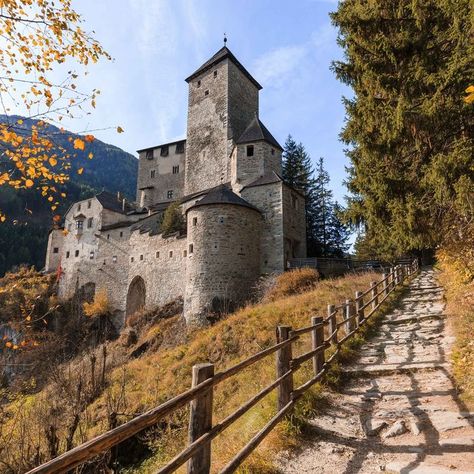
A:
x: 23, y: 238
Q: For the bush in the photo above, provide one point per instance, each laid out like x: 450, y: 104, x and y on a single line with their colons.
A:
x: 99, y: 307
x: 292, y: 283
x: 173, y: 220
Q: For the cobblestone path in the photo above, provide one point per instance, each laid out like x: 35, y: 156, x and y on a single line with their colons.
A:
x: 400, y: 411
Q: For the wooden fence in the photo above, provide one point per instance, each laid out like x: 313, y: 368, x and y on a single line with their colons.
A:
x: 200, y: 396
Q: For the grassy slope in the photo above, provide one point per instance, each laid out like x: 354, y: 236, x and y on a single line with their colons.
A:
x: 154, y: 378
x: 460, y: 309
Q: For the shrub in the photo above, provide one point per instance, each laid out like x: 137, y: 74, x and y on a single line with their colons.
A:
x: 99, y: 307
x: 173, y: 220
x: 292, y: 283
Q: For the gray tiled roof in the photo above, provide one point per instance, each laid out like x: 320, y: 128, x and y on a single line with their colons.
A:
x: 222, y: 54
x: 255, y: 132
x: 268, y: 178
x: 222, y: 194
x: 109, y: 201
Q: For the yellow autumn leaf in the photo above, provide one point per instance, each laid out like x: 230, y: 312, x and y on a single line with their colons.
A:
x: 470, y: 89
x: 79, y: 144
x: 3, y: 218
x: 91, y: 155
x: 20, y: 122
x: 119, y: 129
x: 29, y: 183
x: 53, y: 161
x: 80, y: 170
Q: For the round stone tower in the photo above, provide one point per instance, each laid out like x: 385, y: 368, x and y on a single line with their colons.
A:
x: 223, y: 254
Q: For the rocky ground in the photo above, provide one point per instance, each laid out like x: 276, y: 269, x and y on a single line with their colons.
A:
x: 400, y: 412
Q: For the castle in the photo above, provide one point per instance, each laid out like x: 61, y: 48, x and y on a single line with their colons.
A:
x: 242, y: 220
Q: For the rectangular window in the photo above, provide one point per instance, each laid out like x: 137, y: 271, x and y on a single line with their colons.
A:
x: 221, y: 219
x: 157, y: 255
x: 191, y: 249
x: 169, y: 194
x: 132, y: 259
x: 149, y: 154
x: 79, y: 224
x: 215, y: 73
x: 164, y: 150
x: 69, y: 227
x: 56, y: 250
x: 195, y: 220
x: 198, y: 84
x: 206, y: 92
x: 141, y: 257
x: 89, y: 204
x: 249, y: 150
x: 175, y: 169
x: 121, y: 234
x: 76, y: 253
x: 67, y: 254
x: 152, y: 174
x: 185, y: 254
x: 89, y: 222
x: 108, y: 236
x: 179, y: 147
x: 273, y: 151
x: 91, y: 255
x: 171, y: 253
x: 114, y: 259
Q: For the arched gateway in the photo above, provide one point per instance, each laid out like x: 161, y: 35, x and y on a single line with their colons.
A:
x: 135, y: 296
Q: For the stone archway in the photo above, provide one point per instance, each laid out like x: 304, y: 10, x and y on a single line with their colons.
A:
x: 135, y: 296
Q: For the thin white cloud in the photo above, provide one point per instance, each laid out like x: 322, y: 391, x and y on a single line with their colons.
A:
x: 273, y: 67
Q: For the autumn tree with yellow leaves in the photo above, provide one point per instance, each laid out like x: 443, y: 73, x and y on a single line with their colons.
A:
x: 39, y: 38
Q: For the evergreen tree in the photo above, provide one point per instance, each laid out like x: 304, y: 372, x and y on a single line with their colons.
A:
x: 410, y: 134
x: 339, y: 232
x: 322, y: 210
x: 298, y: 172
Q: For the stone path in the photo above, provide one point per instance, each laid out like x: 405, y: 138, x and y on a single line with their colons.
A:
x: 400, y: 412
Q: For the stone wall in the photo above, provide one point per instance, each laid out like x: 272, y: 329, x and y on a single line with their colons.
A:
x: 268, y: 198
x: 294, y: 224
x: 206, y: 144
x: 242, y: 103
x: 161, y: 262
x: 53, y: 252
x: 223, y: 258
x: 246, y: 169
x: 155, y: 174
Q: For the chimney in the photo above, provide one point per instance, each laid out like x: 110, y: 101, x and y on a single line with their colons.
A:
x: 119, y: 196
x: 124, y: 201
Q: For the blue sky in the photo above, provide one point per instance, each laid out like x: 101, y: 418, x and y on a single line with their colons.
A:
x: 287, y: 45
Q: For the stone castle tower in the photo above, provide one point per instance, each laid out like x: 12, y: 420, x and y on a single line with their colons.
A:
x: 242, y: 220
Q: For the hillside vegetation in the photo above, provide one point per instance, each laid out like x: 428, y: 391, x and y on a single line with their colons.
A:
x: 23, y: 237
x: 151, y: 361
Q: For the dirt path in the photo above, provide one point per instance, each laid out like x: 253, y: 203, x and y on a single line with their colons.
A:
x: 400, y: 412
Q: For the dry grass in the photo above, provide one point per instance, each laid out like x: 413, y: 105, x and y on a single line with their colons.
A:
x: 460, y: 309
x: 99, y: 307
x: 292, y: 283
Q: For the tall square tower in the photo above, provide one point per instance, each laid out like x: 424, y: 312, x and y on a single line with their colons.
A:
x: 223, y: 100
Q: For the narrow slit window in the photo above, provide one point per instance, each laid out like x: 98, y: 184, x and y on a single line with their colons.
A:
x: 157, y: 255
x: 191, y: 249
x: 175, y: 169
x: 76, y: 253
x: 171, y: 253
x: 215, y: 73
x: 206, y: 92
x: 67, y: 254
x: 195, y: 220
x: 141, y: 257
x: 152, y: 173
x: 89, y: 222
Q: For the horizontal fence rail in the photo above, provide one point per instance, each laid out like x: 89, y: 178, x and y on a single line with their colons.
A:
x: 354, y: 313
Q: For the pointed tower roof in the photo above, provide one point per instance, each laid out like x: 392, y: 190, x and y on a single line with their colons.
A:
x: 255, y: 132
x: 222, y: 194
x: 223, y: 53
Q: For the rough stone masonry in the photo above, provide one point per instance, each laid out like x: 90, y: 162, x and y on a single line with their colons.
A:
x: 242, y: 219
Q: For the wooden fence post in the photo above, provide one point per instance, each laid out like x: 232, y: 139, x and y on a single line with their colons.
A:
x: 283, y: 360
x: 385, y: 284
x: 332, y: 323
x: 317, y: 340
x: 392, y: 278
x: 349, y: 312
x: 359, y: 299
x: 200, y: 420
x: 375, y: 298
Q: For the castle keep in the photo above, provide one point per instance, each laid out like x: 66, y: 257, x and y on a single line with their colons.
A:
x: 242, y: 220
